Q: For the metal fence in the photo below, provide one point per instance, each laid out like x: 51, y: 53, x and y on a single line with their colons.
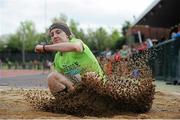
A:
x: 166, y: 65
x: 29, y: 56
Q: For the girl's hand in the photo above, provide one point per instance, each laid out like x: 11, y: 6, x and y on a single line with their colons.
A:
x: 39, y: 49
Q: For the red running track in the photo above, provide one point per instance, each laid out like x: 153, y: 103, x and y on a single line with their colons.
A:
x: 14, y: 73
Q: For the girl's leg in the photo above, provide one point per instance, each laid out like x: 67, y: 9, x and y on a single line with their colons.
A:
x: 58, y: 82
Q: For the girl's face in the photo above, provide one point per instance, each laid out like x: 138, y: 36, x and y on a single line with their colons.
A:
x: 58, y: 36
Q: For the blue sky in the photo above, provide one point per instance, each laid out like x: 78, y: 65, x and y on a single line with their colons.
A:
x: 89, y: 13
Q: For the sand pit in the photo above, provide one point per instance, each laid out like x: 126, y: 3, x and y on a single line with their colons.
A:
x: 166, y: 105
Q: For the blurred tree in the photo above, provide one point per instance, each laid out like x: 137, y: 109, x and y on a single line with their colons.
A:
x: 123, y: 40
x: 61, y: 17
x: 74, y: 27
x: 43, y: 38
x: 91, y: 39
x: 25, y: 33
x: 120, y: 42
x: 27, y: 29
x: 103, y: 39
x: 14, y: 42
x: 79, y: 33
x: 115, y: 36
x: 125, y: 27
x: 2, y: 45
x: 99, y: 39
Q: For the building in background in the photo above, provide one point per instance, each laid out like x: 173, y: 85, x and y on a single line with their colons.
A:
x: 159, y: 20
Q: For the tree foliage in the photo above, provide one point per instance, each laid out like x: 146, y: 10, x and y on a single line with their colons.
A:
x: 14, y: 42
x: 125, y: 27
x: 2, y: 45
x: 26, y: 34
x: 97, y: 40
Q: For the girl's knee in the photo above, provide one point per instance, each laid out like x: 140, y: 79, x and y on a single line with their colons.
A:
x: 52, y: 75
x: 52, y: 79
x: 54, y: 83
